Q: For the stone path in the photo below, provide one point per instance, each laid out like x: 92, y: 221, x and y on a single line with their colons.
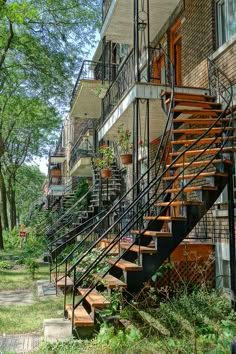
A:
x: 24, y: 343
x: 45, y: 288
x: 19, y: 343
x: 16, y: 297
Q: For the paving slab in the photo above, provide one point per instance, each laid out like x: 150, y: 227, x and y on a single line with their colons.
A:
x: 45, y: 288
x: 16, y: 297
x: 19, y: 343
x: 57, y: 329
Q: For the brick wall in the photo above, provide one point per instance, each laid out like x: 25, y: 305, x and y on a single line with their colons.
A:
x: 226, y: 60
x: 197, y: 39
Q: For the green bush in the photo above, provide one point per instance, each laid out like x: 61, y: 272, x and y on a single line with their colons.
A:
x: 31, y: 266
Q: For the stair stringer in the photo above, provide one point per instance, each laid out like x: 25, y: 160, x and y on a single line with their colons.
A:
x: 165, y: 246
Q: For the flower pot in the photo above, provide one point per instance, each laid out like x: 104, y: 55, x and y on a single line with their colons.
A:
x: 126, y: 159
x: 106, y: 173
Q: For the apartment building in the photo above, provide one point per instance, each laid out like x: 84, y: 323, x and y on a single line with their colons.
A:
x: 165, y: 73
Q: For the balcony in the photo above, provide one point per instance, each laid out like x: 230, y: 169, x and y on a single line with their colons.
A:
x: 85, y: 103
x: 118, y: 101
x: 118, y: 18
x: 82, y: 151
x: 57, y: 185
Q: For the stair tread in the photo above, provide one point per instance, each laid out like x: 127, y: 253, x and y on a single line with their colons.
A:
x: 201, y: 141
x: 94, y: 298
x: 205, y: 120
x: 81, y: 317
x: 206, y: 151
x: 152, y: 233
x: 191, y: 189
x: 179, y: 203
x: 200, y: 163
x: 187, y: 94
x: 137, y: 248
x: 209, y: 112
x: 61, y: 281
x: 110, y: 282
x: 125, y: 265
x: 182, y: 102
x: 201, y: 175
x: 201, y: 130
x: 165, y: 218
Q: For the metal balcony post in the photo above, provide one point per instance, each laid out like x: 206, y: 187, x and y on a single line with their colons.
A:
x: 232, y: 237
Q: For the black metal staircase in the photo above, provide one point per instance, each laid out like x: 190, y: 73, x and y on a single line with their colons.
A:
x: 190, y: 176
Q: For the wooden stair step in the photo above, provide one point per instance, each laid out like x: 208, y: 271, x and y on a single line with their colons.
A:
x: 191, y: 189
x: 110, y: 282
x: 201, y: 121
x: 125, y: 265
x: 199, y: 163
x: 195, y: 131
x: 202, y: 141
x: 209, y: 151
x: 191, y: 175
x: 94, y: 298
x: 178, y: 203
x: 203, y: 112
x: 152, y: 233
x: 165, y: 218
x: 193, y: 103
x: 61, y: 282
x: 138, y: 249
x: 81, y: 317
x: 191, y: 96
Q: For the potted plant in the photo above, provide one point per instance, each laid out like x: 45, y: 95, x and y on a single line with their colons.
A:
x: 105, y: 161
x: 125, y: 145
x: 101, y: 90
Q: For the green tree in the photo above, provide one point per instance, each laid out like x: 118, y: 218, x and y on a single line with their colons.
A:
x: 42, y: 43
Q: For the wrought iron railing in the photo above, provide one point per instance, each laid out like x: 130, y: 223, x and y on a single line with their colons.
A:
x: 94, y: 70
x: 153, y: 71
x: 83, y: 148
x: 123, y: 81
x: 106, y: 4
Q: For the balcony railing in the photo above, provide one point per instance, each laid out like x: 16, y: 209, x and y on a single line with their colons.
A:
x: 155, y: 71
x: 93, y: 70
x: 124, y: 80
x: 106, y: 4
x: 82, y: 148
x: 57, y: 181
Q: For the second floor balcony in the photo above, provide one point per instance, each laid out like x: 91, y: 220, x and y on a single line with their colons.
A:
x: 85, y: 103
x: 82, y: 151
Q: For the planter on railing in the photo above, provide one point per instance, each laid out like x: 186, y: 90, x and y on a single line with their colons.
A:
x: 106, y: 173
x: 126, y: 159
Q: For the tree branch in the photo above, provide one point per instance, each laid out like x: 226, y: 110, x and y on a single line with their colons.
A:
x: 8, y: 44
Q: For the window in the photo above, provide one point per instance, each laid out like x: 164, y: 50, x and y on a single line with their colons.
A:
x: 226, y: 20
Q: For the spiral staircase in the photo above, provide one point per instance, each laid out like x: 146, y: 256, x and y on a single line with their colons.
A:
x: 194, y: 165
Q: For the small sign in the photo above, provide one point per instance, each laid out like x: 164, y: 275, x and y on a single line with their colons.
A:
x: 22, y: 234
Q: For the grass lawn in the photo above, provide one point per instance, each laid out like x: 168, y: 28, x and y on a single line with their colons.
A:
x: 29, y: 318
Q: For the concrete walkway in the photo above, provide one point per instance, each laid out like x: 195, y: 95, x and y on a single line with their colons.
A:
x: 16, y: 297
x: 23, y: 343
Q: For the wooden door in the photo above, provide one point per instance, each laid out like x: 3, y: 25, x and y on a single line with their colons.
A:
x: 176, y: 51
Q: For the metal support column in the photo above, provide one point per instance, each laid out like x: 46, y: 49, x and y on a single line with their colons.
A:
x: 232, y: 237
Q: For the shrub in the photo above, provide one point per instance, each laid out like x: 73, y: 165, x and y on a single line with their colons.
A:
x: 31, y: 266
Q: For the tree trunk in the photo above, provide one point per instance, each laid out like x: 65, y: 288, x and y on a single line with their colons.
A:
x: 3, y: 202
x: 1, y: 236
x: 12, y: 201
